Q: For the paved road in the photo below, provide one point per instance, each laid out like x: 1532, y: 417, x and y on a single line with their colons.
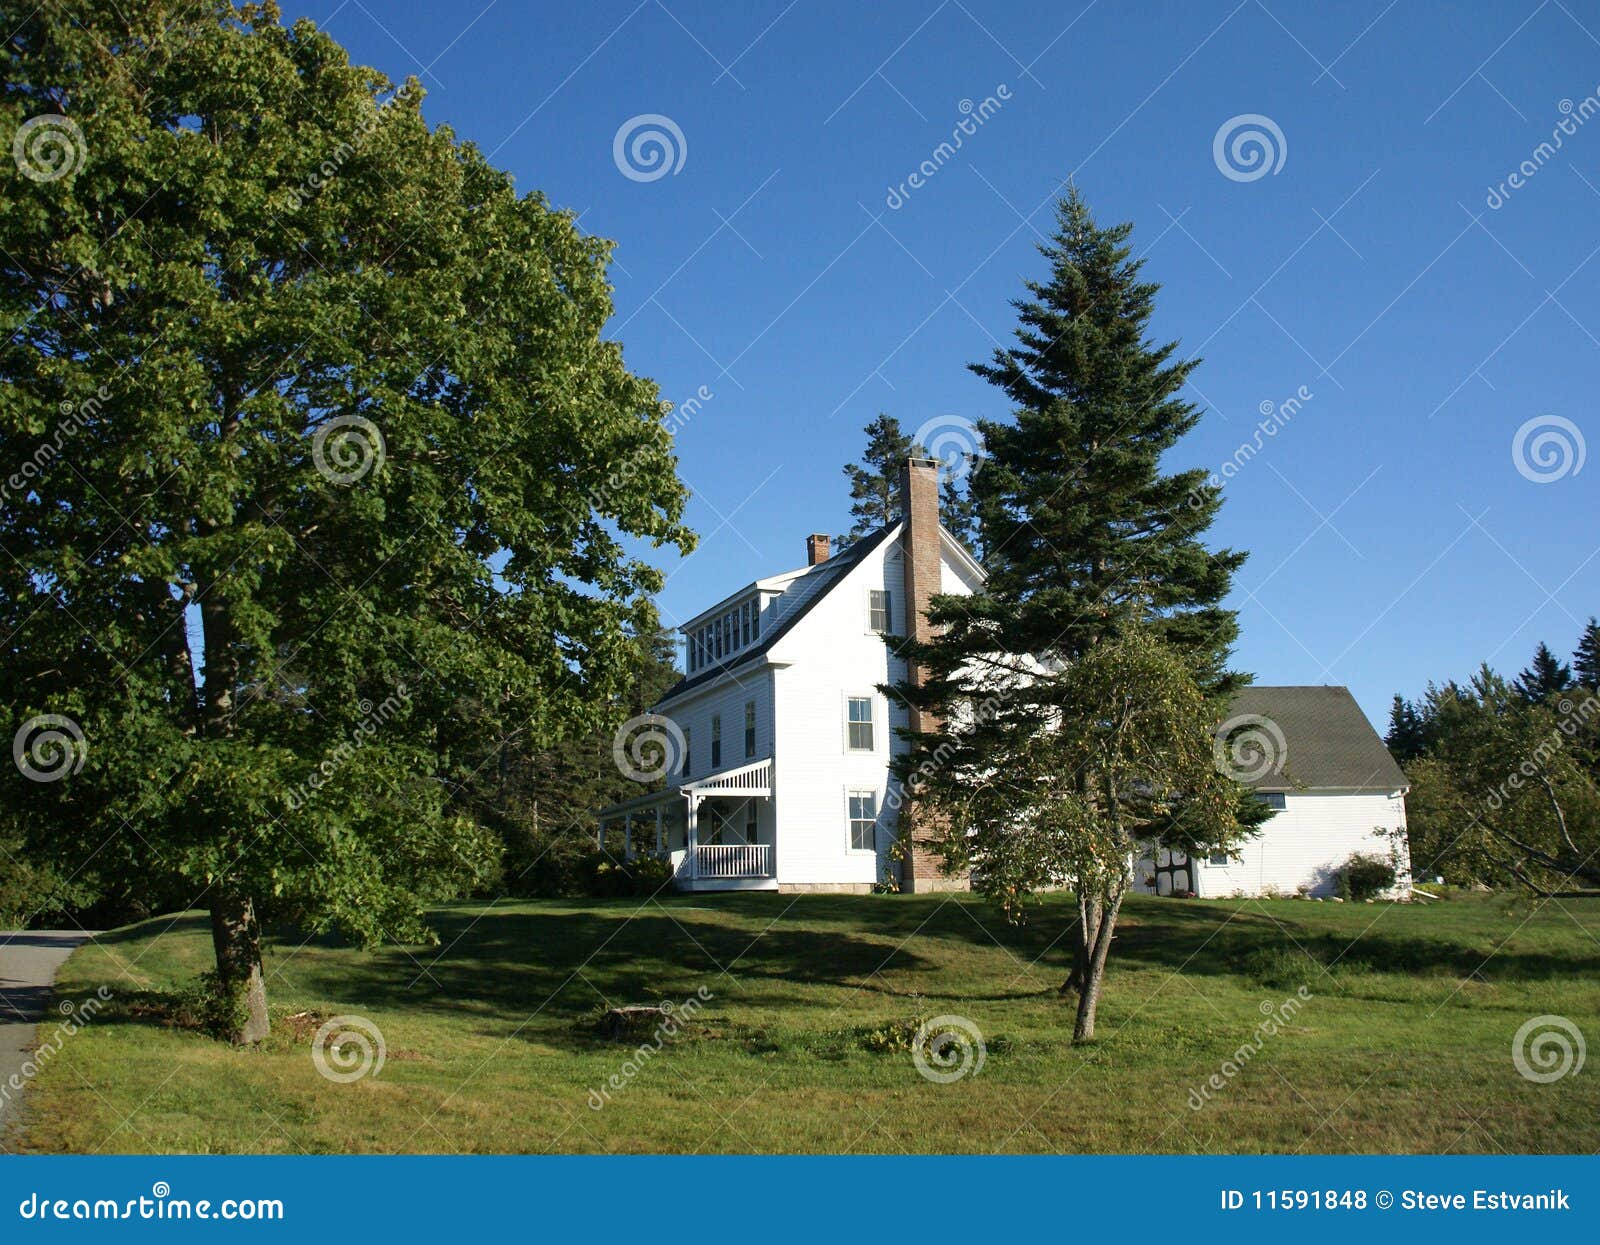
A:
x: 29, y: 962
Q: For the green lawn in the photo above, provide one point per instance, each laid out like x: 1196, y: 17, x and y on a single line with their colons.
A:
x: 492, y: 1045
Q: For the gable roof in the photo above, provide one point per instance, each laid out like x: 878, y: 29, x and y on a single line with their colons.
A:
x: 805, y: 590
x: 1328, y: 742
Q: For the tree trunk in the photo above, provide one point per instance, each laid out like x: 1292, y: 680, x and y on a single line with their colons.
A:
x: 1095, y: 969
x: 237, y: 940
x: 1083, y: 945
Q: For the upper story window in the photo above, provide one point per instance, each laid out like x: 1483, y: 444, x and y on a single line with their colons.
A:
x: 716, y: 740
x: 749, y: 729
x: 1273, y: 799
x: 858, y: 724
x: 878, y: 618
x: 725, y: 635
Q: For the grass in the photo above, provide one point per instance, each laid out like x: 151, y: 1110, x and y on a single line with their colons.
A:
x: 1404, y: 1044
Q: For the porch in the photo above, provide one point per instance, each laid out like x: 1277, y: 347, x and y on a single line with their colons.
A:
x: 719, y: 831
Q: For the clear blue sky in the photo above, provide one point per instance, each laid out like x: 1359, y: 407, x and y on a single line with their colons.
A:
x: 1393, y: 538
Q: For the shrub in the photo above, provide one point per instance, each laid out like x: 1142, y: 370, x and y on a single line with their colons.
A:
x: 1365, y: 876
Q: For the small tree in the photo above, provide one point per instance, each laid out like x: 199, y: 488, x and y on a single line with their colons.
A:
x: 1586, y: 659
x: 1073, y: 799
x: 1545, y: 677
x: 875, y: 485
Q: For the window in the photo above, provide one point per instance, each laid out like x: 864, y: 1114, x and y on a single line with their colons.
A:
x: 878, y: 611
x: 688, y: 761
x: 1272, y: 799
x: 1220, y: 859
x: 755, y: 619
x: 750, y: 825
x: 863, y: 821
x: 744, y: 624
x: 749, y: 729
x: 858, y: 716
x: 716, y: 740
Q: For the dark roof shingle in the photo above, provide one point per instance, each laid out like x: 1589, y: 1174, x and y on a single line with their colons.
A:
x: 1328, y: 742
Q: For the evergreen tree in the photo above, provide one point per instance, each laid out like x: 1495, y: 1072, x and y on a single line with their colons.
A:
x: 1586, y: 661
x: 1545, y: 677
x: 875, y: 486
x: 874, y: 481
x: 1405, y: 737
x: 1087, y: 543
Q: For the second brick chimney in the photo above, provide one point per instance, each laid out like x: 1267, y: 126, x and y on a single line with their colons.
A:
x: 818, y: 547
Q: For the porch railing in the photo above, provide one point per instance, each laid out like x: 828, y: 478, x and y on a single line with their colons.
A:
x: 734, y: 860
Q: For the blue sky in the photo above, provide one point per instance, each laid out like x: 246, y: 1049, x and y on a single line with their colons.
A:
x: 1393, y: 537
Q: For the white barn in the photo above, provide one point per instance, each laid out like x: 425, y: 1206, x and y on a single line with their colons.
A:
x: 1335, y: 786
x: 781, y: 741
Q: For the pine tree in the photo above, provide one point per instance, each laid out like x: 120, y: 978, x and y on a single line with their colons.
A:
x: 1586, y: 660
x: 1081, y: 528
x: 1545, y: 677
x: 1405, y: 738
x: 874, y: 480
x: 875, y: 486
x: 1087, y: 544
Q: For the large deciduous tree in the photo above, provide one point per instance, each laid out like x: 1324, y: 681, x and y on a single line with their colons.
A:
x: 317, y: 469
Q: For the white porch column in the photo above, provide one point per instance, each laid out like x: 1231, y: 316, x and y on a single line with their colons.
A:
x: 691, y: 834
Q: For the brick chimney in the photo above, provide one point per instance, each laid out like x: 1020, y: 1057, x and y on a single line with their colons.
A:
x: 921, y: 558
x: 818, y: 547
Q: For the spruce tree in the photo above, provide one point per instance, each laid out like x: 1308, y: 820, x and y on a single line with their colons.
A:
x: 1586, y: 660
x: 1405, y: 737
x: 1545, y: 677
x: 875, y: 484
x: 1087, y: 543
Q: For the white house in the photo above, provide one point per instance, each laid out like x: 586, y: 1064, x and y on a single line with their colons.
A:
x: 786, y: 739
x: 780, y: 741
x: 1313, y: 756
